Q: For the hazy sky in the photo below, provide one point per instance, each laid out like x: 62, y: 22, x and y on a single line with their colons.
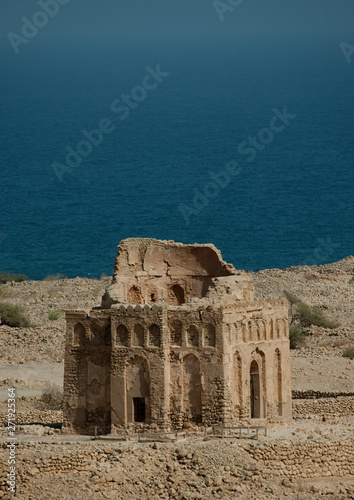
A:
x: 99, y: 17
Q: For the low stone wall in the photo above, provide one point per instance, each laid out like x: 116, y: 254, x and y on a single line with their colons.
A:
x: 341, y: 406
x: 319, y: 394
x: 287, y: 460
x: 306, y: 459
x: 34, y: 416
x: 63, y: 462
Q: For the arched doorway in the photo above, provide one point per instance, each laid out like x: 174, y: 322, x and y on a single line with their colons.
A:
x: 192, y: 336
x: 255, y: 390
x: 209, y: 336
x: 137, y: 391
x: 176, y: 329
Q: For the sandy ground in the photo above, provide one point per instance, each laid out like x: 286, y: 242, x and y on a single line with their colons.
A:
x: 32, y: 360
x: 30, y: 379
x: 52, y: 372
x: 190, y: 469
x: 325, y: 374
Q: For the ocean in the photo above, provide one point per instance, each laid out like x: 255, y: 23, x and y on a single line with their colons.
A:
x: 241, y: 141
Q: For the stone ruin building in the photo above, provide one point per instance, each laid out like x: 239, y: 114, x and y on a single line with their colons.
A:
x: 179, y: 338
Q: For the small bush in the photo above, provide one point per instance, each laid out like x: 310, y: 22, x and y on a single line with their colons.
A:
x: 12, y: 315
x: 6, y: 294
x: 292, y: 298
x: 349, y: 353
x: 5, y: 277
x: 339, y: 342
x: 54, y: 315
x: 52, y: 397
x: 55, y: 277
x: 296, y: 336
x: 308, y: 316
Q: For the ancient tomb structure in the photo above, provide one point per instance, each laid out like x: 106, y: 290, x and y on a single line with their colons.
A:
x: 179, y: 338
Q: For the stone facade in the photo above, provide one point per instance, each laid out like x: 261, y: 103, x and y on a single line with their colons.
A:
x: 179, y: 338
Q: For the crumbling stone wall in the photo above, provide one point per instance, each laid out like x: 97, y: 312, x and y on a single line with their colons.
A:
x: 306, y: 459
x: 310, y: 394
x: 327, y: 407
x: 87, y: 371
x: 179, y: 339
x: 301, y: 460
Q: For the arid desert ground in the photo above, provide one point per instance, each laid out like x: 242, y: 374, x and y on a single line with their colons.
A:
x: 313, y: 457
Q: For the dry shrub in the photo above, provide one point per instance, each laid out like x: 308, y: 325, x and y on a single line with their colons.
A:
x: 12, y: 315
x: 349, y: 353
x: 52, y: 397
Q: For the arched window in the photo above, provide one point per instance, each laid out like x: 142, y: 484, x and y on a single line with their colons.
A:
x: 244, y: 332
x: 280, y: 325
x: 238, y: 331
x: 275, y: 329
x: 138, y: 336
x: 176, y: 295
x: 79, y: 334
x: 250, y: 331
x: 122, y: 336
x: 209, y: 336
x: 176, y: 328
x: 267, y: 327
x: 134, y: 295
x: 154, y: 336
x: 192, y: 336
x: 261, y: 334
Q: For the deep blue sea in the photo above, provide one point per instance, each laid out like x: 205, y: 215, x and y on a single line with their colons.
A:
x: 288, y: 202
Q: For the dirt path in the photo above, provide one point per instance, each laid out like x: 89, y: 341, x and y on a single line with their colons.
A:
x: 32, y: 375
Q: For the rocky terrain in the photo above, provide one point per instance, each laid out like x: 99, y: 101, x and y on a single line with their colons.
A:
x: 311, y: 458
